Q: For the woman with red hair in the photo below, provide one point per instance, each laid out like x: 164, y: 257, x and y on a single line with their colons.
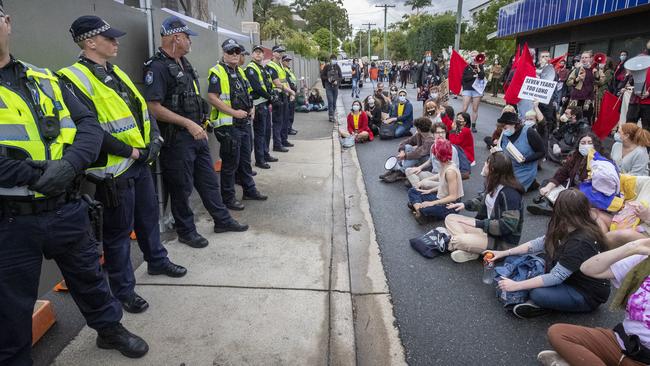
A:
x: 433, y: 202
x: 630, y: 152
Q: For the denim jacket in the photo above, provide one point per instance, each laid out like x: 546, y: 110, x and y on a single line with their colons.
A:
x: 518, y: 268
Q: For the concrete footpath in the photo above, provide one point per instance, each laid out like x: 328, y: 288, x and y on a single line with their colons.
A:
x: 304, y: 286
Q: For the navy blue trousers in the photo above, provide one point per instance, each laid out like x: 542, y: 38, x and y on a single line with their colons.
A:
x: 262, y: 132
x: 62, y: 235
x: 292, y: 113
x: 278, y: 121
x: 138, y: 210
x: 237, y: 162
x: 187, y: 164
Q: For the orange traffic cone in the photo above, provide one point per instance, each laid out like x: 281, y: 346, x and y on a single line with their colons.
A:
x: 42, y: 319
x: 217, y: 165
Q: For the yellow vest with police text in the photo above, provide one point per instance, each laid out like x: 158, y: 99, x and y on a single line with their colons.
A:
x: 282, y: 74
x: 19, y: 122
x: 217, y: 117
x: 113, y: 113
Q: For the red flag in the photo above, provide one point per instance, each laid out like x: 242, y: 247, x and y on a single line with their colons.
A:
x: 556, y: 61
x: 608, y: 116
x: 525, y: 68
x: 456, y: 67
x: 517, y: 55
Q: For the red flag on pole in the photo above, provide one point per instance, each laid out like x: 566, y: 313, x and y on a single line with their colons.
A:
x: 525, y: 68
x: 556, y: 61
x: 456, y: 67
x: 608, y: 116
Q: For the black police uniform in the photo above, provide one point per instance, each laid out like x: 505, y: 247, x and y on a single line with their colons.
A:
x: 186, y: 162
x: 279, y: 115
x: 262, y: 121
x: 291, y: 106
x: 236, y: 153
x: 129, y: 200
x: 57, y: 228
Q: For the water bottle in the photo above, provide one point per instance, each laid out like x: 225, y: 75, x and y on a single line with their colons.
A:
x: 488, y: 269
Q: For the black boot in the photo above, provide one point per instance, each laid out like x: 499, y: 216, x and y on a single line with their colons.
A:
x: 119, y: 338
x: 474, y: 128
x: 543, y: 208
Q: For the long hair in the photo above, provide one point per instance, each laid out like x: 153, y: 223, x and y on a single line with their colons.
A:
x: 638, y: 135
x: 571, y: 212
x: 598, y: 145
x: 500, y: 172
x: 467, y: 119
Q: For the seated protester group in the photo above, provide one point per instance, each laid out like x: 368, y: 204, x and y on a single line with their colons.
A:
x: 374, y: 113
x: 425, y: 176
x: 570, y: 174
x: 357, y: 125
x: 630, y: 151
x: 401, y: 115
x: 572, y: 237
x: 432, y: 203
x: 499, y: 220
x: 524, y: 147
x: 461, y: 135
x: 411, y: 152
x: 628, y: 269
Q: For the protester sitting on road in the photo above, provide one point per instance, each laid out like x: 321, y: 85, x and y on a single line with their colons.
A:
x: 302, y: 104
x: 412, y: 151
x: 402, y: 114
x: 461, y: 135
x: 499, y: 220
x: 630, y: 151
x: 373, y: 112
x: 491, y: 141
x: 628, y: 269
x: 357, y: 124
x: 426, y: 175
x: 572, y: 237
x: 447, y: 116
x: 571, y: 173
x: 382, y: 100
x: 432, y: 203
x: 316, y: 102
x: 431, y: 111
x: 524, y: 146
x: 392, y: 95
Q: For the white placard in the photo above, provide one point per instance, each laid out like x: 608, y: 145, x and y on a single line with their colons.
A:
x: 537, y: 89
x: 479, y: 85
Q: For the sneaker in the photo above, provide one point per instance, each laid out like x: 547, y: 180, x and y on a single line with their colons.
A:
x: 394, y: 177
x: 387, y: 173
x: 551, y: 358
x: 461, y: 256
x: 528, y: 310
x: 542, y: 209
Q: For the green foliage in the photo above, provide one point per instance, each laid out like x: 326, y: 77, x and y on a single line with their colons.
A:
x: 300, y: 6
x: 274, y: 29
x: 397, y: 45
x: 417, y: 4
x: 322, y: 39
x: 266, y: 11
x: 302, y: 44
x: 429, y: 33
x: 485, y: 22
x: 319, y: 14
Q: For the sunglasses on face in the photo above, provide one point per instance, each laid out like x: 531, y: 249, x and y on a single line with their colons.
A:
x: 236, y: 51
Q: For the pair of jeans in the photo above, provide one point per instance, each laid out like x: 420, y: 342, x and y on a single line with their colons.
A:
x: 332, y: 95
x: 562, y: 297
x: 402, y: 130
x: 355, y: 87
x: 438, y: 212
x: 405, y: 164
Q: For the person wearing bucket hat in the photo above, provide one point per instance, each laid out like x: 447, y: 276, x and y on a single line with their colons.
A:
x: 285, y: 95
x: 293, y: 84
x: 42, y: 211
x: 172, y: 92
x: 123, y: 162
x: 232, y: 112
x: 524, y: 146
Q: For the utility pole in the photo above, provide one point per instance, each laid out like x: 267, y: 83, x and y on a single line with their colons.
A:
x: 330, y: 36
x: 359, y: 34
x: 385, y: 6
x: 459, y: 18
x: 369, y: 25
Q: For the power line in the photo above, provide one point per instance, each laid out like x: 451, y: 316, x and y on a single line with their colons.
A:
x: 385, y: 6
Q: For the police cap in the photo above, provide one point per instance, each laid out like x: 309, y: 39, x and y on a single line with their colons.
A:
x: 278, y: 48
x: 230, y: 44
x: 286, y: 58
x: 173, y: 24
x: 88, y: 26
x: 257, y: 47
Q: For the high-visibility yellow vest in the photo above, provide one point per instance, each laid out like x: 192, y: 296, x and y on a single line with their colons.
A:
x: 282, y: 74
x: 113, y: 113
x: 291, y: 76
x: 217, y: 117
x: 260, y: 77
x: 19, y: 125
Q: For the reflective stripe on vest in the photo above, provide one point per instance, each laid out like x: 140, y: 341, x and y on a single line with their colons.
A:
x: 291, y: 76
x: 19, y: 128
x: 253, y: 65
x: 217, y: 117
x: 282, y: 75
x: 114, y: 114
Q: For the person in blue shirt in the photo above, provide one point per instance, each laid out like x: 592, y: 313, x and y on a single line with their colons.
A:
x: 401, y: 114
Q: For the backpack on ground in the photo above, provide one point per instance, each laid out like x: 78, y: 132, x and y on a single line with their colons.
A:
x: 387, y: 131
x: 433, y: 243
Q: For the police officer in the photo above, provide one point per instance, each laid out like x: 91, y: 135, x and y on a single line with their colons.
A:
x: 232, y: 111
x: 263, y: 95
x: 131, y: 142
x: 293, y: 84
x: 172, y: 95
x: 279, y: 111
x: 47, y: 139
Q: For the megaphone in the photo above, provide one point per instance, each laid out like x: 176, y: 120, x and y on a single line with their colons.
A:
x: 600, y: 58
x: 479, y: 59
x: 638, y: 66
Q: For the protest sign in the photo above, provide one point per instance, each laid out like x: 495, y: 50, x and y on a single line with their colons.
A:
x: 537, y: 89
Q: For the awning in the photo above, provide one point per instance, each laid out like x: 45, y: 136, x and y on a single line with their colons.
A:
x: 223, y: 32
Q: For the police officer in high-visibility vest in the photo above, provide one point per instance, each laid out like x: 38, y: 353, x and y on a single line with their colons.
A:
x: 293, y: 84
x: 122, y: 174
x: 279, y: 109
x: 232, y: 111
x: 172, y: 93
x: 47, y: 139
x: 263, y: 95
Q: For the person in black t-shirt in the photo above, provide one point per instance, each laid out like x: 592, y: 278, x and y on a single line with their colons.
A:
x: 573, y: 236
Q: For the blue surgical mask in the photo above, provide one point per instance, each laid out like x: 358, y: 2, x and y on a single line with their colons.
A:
x: 529, y: 123
x: 617, y: 137
x: 428, y: 58
x: 356, y: 107
x: 584, y: 149
x: 402, y: 99
x: 622, y: 58
x: 508, y: 132
x: 333, y: 62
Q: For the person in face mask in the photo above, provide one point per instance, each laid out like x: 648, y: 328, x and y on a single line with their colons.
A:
x: 358, y: 124
x: 471, y: 96
x: 605, y: 75
x: 428, y: 74
x: 401, y: 114
x: 331, y: 77
x: 373, y: 112
x: 524, y: 146
x: 630, y: 151
x: 583, y: 80
x: 461, y: 135
x: 316, y: 102
x: 619, y: 80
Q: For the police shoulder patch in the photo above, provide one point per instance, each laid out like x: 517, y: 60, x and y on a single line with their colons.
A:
x: 214, y: 79
x: 148, y: 78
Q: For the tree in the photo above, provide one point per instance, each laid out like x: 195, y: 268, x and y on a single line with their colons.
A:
x: 397, y: 45
x: 302, y: 43
x: 322, y: 39
x: 430, y: 33
x: 319, y: 14
x: 417, y: 5
x: 300, y: 6
x: 264, y: 10
x: 484, y: 23
x: 274, y: 29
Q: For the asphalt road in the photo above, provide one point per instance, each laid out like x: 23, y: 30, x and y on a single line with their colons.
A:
x: 445, y: 314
